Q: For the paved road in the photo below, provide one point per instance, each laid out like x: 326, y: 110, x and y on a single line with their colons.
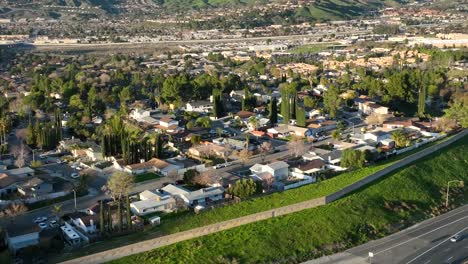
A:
x: 424, y: 243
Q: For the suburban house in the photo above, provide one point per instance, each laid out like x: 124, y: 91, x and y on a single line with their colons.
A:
x: 332, y: 157
x: 8, y: 184
x: 199, y: 106
x: 204, y: 196
x: 151, y: 202
x: 66, y: 144
x: 311, y: 168
x: 206, y: 149
x: 153, y: 165
x: 318, y: 126
x: 18, y: 238
x: 168, y: 124
x: 164, y: 204
x: 93, y: 152
x: 194, y: 198
x: 298, y: 131
x: 144, y: 116
x: 377, y: 136
x: 278, y: 169
x: 237, y: 95
x: 85, y: 222
x: 21, y: 172
x: 280, y: 131
x: 35, y: 187
x: 367, y: 107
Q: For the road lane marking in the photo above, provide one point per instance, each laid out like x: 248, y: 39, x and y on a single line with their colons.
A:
x: 435, y: 246
x: 413, y: 230
x: 450, y: 258
x: 416, y: 237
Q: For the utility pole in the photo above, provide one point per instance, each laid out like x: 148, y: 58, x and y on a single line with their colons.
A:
x: 74, y: 195
x: 448, y: 188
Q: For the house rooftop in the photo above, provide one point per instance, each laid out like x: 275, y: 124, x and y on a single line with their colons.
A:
x: 154, y: 162
x: 7, y: 180
x: 278, y: 165
x: 205, y: 192
x: 313, y: 164
x: 174, y: 190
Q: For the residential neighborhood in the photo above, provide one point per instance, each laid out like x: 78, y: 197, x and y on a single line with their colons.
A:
x: 182, y: 126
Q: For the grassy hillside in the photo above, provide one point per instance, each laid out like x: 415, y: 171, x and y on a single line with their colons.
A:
x: 401, y: 199
x: 320, y: 9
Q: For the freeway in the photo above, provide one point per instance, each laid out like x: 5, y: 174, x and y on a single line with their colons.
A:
x: 424, y: 243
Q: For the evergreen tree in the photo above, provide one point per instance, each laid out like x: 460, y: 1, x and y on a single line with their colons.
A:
x: 31, y: 134
x: 300, y: 116
x: 422, y: 102
x: 109, y: 219
x: 285, y: 106
x: 119, y: 214
x: 273, y: 111
x: 129, y: 213
x: 101, y: 218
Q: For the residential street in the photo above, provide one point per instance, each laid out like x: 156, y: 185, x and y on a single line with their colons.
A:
x: 425, y: 243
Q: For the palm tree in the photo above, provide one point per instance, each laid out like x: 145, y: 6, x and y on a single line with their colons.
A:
x: 400, y: 138
x: 56, y: 210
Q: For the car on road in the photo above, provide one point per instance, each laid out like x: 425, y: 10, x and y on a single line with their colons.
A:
x: 456, y: 238
x: 40, y: 219
x: 75, y: 175
x: 42, y: 225
x: 53, y: 223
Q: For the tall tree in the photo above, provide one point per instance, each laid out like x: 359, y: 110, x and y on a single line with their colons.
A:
x: 129, y: 212
x: 332, y: 101
x: 273, y: 111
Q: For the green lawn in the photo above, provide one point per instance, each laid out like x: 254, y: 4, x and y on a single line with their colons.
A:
x: 310, y: 48
x: 401, y: 199
x: 146, y: 177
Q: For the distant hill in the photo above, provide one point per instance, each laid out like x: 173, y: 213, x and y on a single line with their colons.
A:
x: 315, y: 10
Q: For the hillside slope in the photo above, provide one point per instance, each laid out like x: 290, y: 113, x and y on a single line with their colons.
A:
x: 318, y: 9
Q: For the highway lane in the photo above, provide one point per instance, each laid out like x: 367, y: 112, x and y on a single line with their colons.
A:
x: 424, y: 243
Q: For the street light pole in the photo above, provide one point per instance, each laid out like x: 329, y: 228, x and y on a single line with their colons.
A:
x: 448, y: 188
x: 74, y: 195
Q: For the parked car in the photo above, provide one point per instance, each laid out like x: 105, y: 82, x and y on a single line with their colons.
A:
x: 53, y: 223
x: 456, y: 238
x: 179, y: 182
x: 40, y: 219
x: 42, y: 225
x: 75, y: 175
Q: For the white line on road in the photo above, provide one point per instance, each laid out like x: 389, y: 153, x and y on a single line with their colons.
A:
x: 416, y: 237
x: 445, y: 240
x: 450, y: 258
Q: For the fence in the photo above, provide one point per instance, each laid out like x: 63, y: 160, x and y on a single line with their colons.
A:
x: 213, y: 228
x: 307, y: 180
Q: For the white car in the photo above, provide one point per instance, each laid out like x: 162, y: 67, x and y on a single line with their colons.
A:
x: 42, y: 225
x: 75, y: 175
x: 456, y: 238
x: 40, y: 219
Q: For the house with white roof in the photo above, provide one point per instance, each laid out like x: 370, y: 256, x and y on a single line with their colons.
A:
x: 151, y: 202
x: 278, y: 169
x: 194, y: 198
